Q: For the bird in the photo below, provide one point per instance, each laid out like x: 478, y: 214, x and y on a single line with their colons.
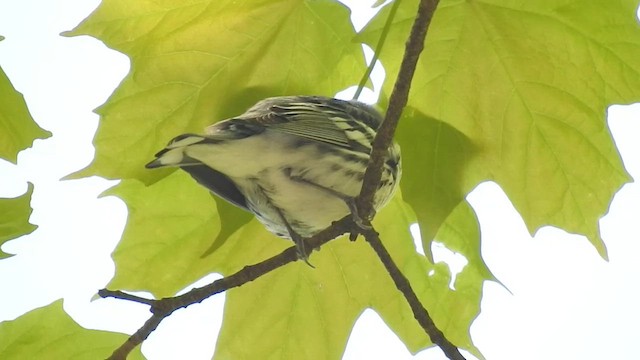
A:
x: 296, y: 162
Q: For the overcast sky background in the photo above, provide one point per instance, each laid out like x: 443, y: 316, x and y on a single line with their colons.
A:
x: 566, y: 302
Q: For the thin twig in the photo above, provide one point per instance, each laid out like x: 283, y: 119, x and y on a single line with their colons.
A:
x: 117, y: 294
x: 137, y: 338
x: 419, y: 312
x: 373, y: 174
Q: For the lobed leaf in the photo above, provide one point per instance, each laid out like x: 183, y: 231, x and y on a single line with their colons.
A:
x: 435, y: 157
x: 528, y: 83
x: 197, y: 62
x: 49, y: 333
x: 14, y: 218
x: 17, y: 128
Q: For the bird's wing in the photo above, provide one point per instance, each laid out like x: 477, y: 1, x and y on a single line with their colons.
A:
x: 232, y: 129
x: 330, y: 121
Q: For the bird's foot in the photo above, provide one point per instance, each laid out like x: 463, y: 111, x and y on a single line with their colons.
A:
x: 357, y: 219
x: 300, y: 247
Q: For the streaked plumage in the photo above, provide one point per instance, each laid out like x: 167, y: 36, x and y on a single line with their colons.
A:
x: 294, y: 159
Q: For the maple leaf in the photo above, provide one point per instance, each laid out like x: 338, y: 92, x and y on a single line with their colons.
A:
x: 49, y: 333
x: 528, y: 85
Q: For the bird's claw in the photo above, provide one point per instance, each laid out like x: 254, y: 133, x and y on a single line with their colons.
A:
x: 305, y: 258
x: 300, y: 249
x: 357, y: 219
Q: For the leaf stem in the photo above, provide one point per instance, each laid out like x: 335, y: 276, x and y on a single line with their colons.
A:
x: 378, y: 50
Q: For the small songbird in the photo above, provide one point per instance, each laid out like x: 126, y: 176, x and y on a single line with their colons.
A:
x: 296, y: 162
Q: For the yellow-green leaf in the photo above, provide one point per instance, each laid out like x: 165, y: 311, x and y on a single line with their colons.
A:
x: 194, y: 63
x: 435, y: 156
x: 172, y: 227
x: 49, y: 333
x: 17, y: 128
x: 14, y: 218
x: 529, y: 84
x: 171, y: 224
x: 461, y: 233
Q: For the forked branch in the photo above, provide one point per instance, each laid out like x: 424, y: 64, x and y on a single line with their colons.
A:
x: 383, y: 139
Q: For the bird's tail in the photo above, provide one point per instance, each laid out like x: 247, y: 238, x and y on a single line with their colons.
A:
x: 174, y: 153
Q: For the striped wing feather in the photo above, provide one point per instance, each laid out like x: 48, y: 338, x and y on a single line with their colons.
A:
x: 329, y: 121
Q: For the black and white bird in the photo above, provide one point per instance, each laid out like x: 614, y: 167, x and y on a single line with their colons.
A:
x: 296, y: 162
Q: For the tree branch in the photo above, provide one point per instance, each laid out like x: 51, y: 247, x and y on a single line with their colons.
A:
x: 419, y: 312
x: 397, y: 102
x: 373, y: 174
x: 165, y: 307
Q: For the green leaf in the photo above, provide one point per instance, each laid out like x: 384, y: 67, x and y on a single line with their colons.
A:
x: 197, y: 62
x: 461, y: 234
x: 49, y: 333
x: 165, y: 235
x: 434, y: 156
x: 232, y: 218
x: 14, y: 218
x: 172, y: 227
x: 17, y: 128
x: 529, y: 84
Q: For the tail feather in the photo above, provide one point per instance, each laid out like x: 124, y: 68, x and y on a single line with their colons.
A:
x: 174, y: 153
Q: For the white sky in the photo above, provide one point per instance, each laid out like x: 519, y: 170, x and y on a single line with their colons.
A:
x: 567, y: 303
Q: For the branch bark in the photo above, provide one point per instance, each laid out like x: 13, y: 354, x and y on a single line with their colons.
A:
x: 373, y: 174
x: 397, y: 102
x: 420, y: 313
